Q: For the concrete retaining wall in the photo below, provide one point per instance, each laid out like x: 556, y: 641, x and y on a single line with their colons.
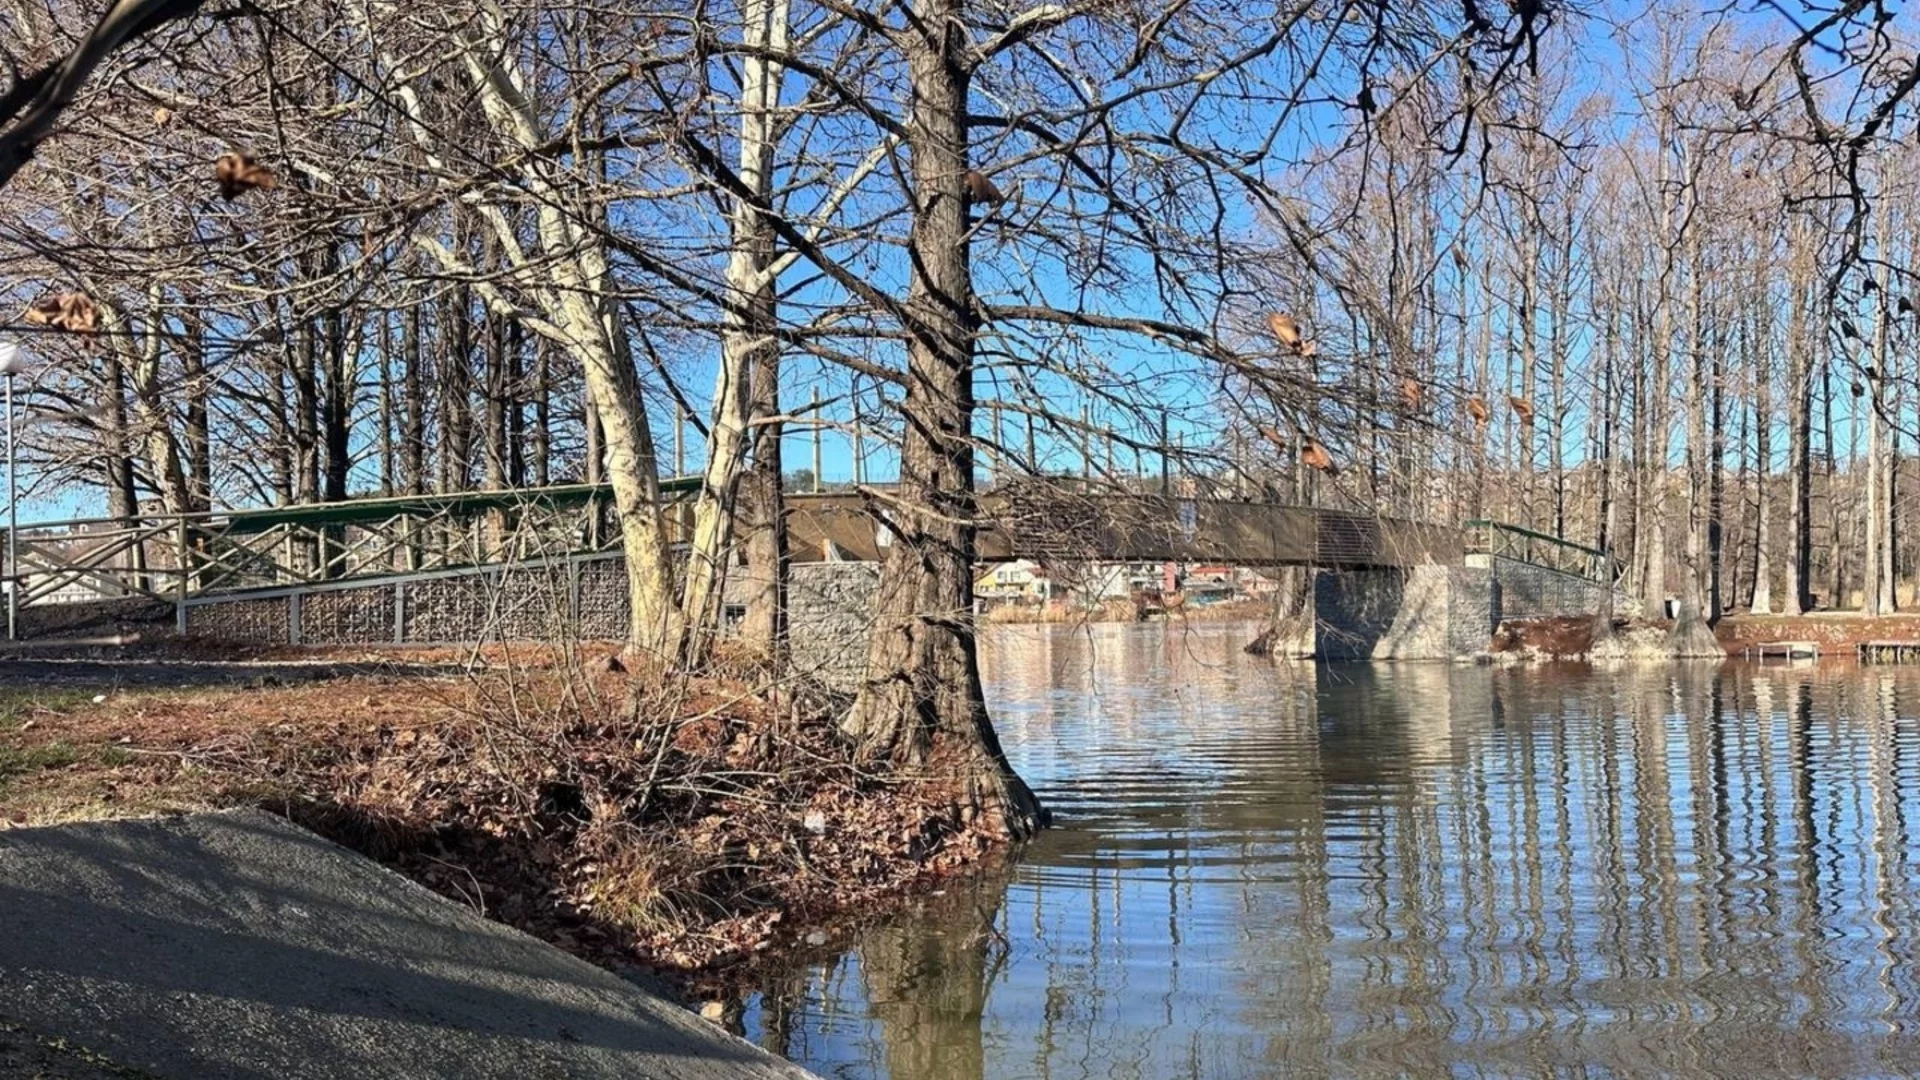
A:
x: 1354, y: 610
x: 1416, y: 613
x: 1437, y: 612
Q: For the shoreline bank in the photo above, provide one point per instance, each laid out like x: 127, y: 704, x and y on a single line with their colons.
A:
x: 693, y: 832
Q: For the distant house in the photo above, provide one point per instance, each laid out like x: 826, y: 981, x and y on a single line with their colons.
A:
x: 1118, y: 581
x: 1019, y: 581
x: 1253, y: 584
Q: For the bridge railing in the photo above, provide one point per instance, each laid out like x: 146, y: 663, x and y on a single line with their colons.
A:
x: 182, y: 557
x: 1520, y: 544
x: 174, y: 556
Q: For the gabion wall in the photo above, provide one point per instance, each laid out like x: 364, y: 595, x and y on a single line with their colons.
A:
x: 830, y: 607
x: 829, y: 617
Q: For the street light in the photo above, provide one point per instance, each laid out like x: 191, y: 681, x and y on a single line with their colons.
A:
x: 13, y: 363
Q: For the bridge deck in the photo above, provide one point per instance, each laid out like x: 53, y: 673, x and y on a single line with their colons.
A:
x: 180, y: 557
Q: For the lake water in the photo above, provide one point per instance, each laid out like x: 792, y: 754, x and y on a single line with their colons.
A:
x: 1262, y: 870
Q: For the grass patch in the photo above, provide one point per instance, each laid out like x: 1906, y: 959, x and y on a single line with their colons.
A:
x: 19, y: 706
x: 17, y: 761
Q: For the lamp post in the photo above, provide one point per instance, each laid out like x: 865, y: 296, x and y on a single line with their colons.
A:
x: 13, y: 363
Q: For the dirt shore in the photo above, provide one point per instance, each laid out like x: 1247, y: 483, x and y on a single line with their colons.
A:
x: 1836, y: 632
x: 692, y: 827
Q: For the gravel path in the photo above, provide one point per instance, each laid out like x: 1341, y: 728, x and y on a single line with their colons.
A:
x: 163, y: 674
x: 236, y: 946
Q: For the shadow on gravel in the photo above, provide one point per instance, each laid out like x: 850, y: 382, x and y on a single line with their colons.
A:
x: 188, y: 674
x: 235, y: 945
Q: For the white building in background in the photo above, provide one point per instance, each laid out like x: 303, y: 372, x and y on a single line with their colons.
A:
x: 1021, y: 580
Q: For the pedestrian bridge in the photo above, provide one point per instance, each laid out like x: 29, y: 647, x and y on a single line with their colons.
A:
x: 423, y: 545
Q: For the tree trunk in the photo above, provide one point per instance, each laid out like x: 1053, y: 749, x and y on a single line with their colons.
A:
x: 1691, y: 635
x: 456, y: 393
x: 1799, y: 546
x: 582, y: 318
x: 413, y: 443
x: 921, y: 699
x: 750, y: 326
x: 193, y: 359
x: 340, y: 382
x: 1836, y: 531
x: 1877, y: 582
x: 763, y: 521
x: 156, y: 423
x: 1762, y: 339
x: 542, y: 447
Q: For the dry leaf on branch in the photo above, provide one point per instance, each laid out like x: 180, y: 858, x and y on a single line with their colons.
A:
x: 1412, y: 394
x: 71, y: 311
x: 1477, y: 408
x: 981, y: 190
x: 162, y: 116
x: 238, y: 173
x: 1522, y: 408
x: 1284, y: 329
x: 1315, y: 456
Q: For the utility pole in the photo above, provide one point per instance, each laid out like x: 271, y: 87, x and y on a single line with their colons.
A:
x: 1166, y: 456
x: 999, y: 451
x: 1086, y: 442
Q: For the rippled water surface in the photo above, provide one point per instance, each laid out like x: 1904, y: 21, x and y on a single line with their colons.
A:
x: 1415, y: 871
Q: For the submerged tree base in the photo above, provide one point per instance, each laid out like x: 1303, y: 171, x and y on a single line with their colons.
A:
x: 1693, y: 639
x: 1288, y: 638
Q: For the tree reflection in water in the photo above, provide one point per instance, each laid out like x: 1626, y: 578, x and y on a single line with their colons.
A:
x: 1266, y: 871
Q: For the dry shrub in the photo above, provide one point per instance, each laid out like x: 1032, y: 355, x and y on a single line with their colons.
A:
x: 1119, y: 609
x: 682, y: 825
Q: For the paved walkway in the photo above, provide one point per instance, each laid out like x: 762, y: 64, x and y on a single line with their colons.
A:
x: 236, y: 945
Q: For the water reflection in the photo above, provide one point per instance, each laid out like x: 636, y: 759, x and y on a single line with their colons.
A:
x: 1266, y: 871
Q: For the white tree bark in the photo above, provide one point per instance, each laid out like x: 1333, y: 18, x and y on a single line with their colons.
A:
x: 568, y: 274
x: 749, y: 327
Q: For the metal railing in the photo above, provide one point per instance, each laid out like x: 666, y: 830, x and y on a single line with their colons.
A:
x: 1520, y: 544
x: 172, y: 557
x: 180, y: 558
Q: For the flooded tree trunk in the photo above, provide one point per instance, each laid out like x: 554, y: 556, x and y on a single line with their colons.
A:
x: 1289, y: 634
x: 921, y: 699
